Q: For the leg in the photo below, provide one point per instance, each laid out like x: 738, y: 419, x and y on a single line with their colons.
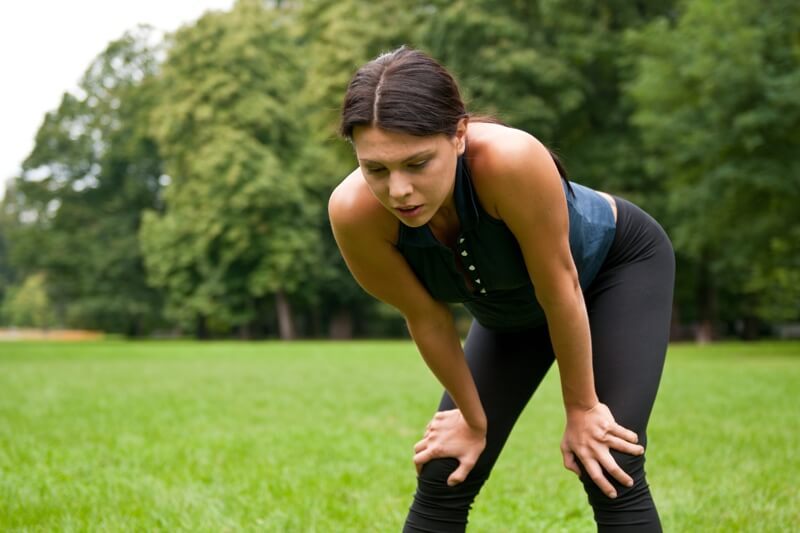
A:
x: 629, y: 306
x: 506, y: 368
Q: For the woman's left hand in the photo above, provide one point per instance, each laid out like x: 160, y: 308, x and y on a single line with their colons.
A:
x: 449, y: 435
x: 589, y: 437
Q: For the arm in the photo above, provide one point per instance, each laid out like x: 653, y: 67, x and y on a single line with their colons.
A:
x: 362, y: 231
x: 537, y: 214
x: 362, y: 228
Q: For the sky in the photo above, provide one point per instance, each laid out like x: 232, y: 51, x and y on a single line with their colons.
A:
x: 45, y: 47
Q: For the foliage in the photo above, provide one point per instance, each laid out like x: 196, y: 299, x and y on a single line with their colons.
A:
x: 28, y: 304
x: 718, y: 111
x: 553, y: 68
x: 74, y: 211
x: 185, y: 184
x: 236, y: 225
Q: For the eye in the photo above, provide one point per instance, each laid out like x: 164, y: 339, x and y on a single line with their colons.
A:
x: 418, y: 165
x: 375, y: 170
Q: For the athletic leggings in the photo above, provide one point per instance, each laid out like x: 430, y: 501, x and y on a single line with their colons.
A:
x: 629, y: 306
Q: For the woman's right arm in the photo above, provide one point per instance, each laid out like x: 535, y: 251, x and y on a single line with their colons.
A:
x: 363, y: 230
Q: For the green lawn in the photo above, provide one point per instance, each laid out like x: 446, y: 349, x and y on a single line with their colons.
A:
x: 182, y: 436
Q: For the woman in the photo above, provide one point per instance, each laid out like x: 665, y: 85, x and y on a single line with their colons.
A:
x: 445, y: 209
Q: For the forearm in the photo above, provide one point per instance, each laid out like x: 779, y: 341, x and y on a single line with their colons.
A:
x: 440, y: 347
x: 568, y: 324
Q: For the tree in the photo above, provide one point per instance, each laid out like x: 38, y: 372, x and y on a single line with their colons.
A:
x: 236, y: 232
x: 555, y: 69
x: 74, y: 212
x: 718, y: 111
x: 28, y: 304
x: 338, y: 37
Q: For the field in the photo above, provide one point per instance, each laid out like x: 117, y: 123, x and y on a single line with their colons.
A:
x: 317, y: 437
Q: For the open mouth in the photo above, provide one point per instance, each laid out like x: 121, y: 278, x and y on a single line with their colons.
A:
x: 410, y: 210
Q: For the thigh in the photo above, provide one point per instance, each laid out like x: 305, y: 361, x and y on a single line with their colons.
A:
x: 507, y: 368
x: 629, y: 307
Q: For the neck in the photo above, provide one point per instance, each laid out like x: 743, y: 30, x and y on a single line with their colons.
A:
x: 445, y: 224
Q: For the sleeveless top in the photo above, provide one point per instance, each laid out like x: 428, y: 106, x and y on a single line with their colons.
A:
x: 503, y: 298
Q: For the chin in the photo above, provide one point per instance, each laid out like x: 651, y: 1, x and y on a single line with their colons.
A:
x: 413, y: 222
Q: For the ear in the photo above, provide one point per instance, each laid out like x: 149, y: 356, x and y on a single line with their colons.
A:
x: 461, y: 135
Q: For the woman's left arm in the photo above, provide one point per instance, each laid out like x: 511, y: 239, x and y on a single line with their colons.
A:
x: 529, y: 197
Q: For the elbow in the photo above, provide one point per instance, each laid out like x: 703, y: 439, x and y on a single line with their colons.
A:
x: 567, y: 293
x: 434, y: 318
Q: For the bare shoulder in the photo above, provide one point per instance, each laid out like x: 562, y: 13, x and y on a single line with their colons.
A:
x: 502, y: 159
x: 352, y: 208
x: 366, y: 234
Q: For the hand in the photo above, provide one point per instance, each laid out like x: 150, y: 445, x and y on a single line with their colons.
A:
x: 449, y: 435
x: 589, y: 437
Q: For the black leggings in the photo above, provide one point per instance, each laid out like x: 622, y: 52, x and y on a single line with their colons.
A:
x: 629, y: 305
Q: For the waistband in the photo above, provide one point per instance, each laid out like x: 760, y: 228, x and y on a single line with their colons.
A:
x: 637, y: 237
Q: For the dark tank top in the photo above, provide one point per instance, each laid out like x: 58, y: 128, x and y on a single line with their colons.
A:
x: 502, y: 297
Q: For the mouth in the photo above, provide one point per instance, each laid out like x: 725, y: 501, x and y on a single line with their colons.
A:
x: 409, y: 210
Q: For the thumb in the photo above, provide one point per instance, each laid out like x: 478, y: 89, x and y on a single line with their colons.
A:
x: 458, y: 475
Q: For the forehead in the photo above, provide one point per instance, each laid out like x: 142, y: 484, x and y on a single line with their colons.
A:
x: 376, y: 144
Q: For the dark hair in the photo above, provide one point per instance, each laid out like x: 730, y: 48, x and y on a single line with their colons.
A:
x: 407, y: 91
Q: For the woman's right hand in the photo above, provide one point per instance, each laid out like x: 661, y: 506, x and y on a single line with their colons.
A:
x: 449, y: 435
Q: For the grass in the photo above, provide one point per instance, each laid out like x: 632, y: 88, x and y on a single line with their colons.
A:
x: 183, y: 436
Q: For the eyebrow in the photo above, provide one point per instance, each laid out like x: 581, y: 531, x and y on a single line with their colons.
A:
x: 424, y: 153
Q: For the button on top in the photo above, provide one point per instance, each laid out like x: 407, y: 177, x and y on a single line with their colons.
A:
x: 475, y: 279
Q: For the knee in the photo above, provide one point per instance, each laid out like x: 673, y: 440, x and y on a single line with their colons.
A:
x: 437, y: 506
x: 634, y: 467
x: 633, y: 508
x: 432, y: 482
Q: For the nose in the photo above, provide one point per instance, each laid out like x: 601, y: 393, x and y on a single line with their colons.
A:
x: 399, y: 186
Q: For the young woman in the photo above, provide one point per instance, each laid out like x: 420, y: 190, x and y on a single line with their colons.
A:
x: 445, y: 209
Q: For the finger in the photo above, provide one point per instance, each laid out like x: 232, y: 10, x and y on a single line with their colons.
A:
x: 625, y: 433
x: 570, y: 463
x: 421, y: 445
x: 459, y: 474
x: 596, y: 474
x: 423, y: 457
x: 611, y: 466
x: 624, y: 446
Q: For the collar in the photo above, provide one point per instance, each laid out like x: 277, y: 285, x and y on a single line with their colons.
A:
x: 464, y: 196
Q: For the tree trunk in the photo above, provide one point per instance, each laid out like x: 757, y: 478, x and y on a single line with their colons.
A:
x: 285, y: 321
x: 751, y: 328
x: 675, y: 323
x: 341, y: 326
x: 707, y: 305
x: 246, y: 331
x: 200, y: 328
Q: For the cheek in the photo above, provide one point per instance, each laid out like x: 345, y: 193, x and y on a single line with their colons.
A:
x: 380, y: 189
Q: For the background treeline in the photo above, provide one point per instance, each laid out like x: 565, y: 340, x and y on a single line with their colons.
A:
x: 183, y: 187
